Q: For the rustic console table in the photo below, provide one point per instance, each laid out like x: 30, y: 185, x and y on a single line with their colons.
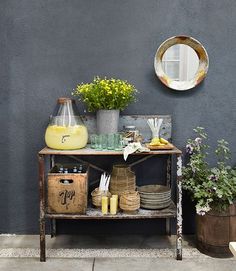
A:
x: 170, y: 212
x: 140, y: 121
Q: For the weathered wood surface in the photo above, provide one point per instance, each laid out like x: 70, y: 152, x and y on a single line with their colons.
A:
x: 67, y: 198
x: 93, y: 213
x: 215, y: 231
x: 89, y: 151
x: 168, y: 146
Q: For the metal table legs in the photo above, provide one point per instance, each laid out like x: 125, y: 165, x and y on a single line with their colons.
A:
x: 168, y: 183
x: 179, y: 208
x: 41, y: 163
x: 42, y: 207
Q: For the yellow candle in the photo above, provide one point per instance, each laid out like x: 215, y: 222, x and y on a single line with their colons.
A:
x: 104, y: 205
x: 116, y: 197
x: 113, y: 205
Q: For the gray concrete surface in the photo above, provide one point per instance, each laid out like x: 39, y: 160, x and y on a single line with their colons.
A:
x: 117, y: 264
x: 96, y: 241
x: 144, y: 264
x: 109, y: 263
x: 50, y: 265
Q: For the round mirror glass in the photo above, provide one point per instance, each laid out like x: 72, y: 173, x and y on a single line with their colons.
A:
x: 180, y: 62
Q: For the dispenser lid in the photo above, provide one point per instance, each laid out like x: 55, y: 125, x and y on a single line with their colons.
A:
x: 63, y: 100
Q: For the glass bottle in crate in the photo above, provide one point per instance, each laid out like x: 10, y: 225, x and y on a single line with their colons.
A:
x: 66, y: 130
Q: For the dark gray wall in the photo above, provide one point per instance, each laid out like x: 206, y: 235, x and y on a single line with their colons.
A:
x: 47, y: 47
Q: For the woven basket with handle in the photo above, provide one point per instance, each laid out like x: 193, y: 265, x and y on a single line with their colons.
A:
x: 130, y: 201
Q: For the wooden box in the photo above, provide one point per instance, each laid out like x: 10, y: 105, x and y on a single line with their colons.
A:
x: 67, y: 193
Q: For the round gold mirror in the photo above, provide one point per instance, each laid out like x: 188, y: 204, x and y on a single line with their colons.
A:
x: 181, y: 62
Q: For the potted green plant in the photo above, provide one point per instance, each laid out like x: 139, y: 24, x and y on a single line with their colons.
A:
x: 213, y: 190
x: 107, y: 97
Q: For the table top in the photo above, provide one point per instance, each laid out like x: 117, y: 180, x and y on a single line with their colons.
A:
x: 89, y: 151
x: 95, y: 213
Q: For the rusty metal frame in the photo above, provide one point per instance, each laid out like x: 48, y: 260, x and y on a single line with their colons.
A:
x: 141, y: 160
x: 53, y: 222
x: 168, y: 183
x: 90, y: 164
x: 42, y: 211
x: 179, y: 208
x: 43, y: 215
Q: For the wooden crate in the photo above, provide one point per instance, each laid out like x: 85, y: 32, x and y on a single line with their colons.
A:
x: 67, y: 197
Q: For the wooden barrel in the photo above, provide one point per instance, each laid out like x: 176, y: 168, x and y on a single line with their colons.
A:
x: 214, y: 232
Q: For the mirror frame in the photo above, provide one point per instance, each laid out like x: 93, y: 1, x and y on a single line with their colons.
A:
x: 202, y: 68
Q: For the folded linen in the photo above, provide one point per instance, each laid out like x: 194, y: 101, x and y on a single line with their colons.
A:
x: 134, y: 147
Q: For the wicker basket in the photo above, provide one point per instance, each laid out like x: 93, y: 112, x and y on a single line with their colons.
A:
x: 130, y: 201
x: 97, y: 196
x: 122, y: 180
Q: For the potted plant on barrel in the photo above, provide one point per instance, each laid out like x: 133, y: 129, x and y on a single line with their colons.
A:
x: 107, y: 97
x: 213, y: 190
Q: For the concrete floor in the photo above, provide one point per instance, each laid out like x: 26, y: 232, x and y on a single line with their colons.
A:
x: 132, y: 242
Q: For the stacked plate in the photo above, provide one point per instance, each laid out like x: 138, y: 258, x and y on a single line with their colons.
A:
x: 154, y: 196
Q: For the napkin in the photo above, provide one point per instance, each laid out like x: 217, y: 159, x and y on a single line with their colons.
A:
x: 133, y: 147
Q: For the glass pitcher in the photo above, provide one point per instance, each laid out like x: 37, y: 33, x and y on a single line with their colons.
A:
x: 66, y: 130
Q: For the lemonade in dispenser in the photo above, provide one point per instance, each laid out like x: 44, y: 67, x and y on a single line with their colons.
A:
x: 66, y: 130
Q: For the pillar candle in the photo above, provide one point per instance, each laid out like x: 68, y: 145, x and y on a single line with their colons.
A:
x: 104, y: 205
x: 113, y: 205
x: 116, y: 197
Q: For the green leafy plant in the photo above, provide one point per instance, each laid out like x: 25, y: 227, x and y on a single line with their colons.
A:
x: 210, y: 187
x: 106, y: 93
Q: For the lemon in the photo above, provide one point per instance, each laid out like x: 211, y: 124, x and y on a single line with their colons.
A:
x: 164, y: 141
x: 155, y: 142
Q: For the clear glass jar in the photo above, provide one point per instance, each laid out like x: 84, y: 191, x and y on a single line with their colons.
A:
x: 130, y: 133
x: 66, y: 130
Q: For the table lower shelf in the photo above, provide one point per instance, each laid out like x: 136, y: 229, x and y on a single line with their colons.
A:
x: 93, y: 213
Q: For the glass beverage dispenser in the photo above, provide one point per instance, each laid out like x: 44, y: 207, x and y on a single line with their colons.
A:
x: 66, y: 130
